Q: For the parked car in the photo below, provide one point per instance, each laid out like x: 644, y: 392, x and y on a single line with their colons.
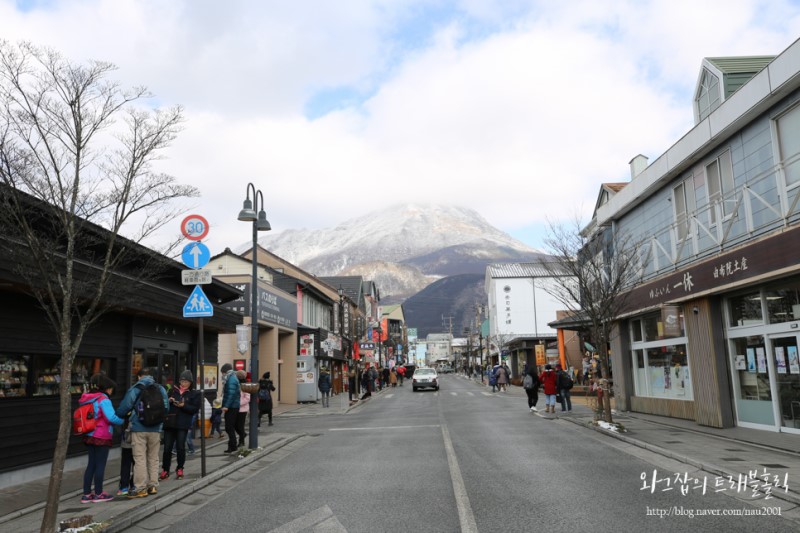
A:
x: 446, y: 370
x: 425, y: 378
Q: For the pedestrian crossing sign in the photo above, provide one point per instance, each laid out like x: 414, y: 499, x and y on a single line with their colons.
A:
x: 198, y: 305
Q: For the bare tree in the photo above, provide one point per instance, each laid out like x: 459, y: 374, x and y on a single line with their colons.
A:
x: 73, y: 179
x: 592, y: 275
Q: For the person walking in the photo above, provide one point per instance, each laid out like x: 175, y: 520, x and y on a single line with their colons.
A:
x: 265, y: 390
x: 244, y: 408
x: 564, y: 382
x: 492, y: 374
x: 401, y: 374
x: 374, y: 379
x: 352, y: 376
x: 324, y: 386
x: 393, y: 378
x: 231, y: 400
x: 531, y: 385
x: 548, y: 381
x: 366, y: 383
x: 145, y: 440
x: 184, y: 404
x: 98, y: 441
x: 503, y: 378
x: 385, y: 373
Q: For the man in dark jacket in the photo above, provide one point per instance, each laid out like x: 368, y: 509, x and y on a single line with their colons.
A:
x: 265, y: 390
x: 145, y: 440
x: 562, y: 379
x: 324, y: 386
x: 231, y: 394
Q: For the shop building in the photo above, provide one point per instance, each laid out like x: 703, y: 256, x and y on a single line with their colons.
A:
x: 145, y: 328
x: 713, y: 328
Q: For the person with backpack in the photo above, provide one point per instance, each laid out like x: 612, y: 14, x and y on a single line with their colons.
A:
x: 324, y: 386
x: 184, y: 403
x: 564, y: 386
x: 265, y: 390
x: 147, y: 403
x: 98, y: 441
x: 531, y: 385
x: 503, y: 377
x: 244, y: 408
x: 231, y: 400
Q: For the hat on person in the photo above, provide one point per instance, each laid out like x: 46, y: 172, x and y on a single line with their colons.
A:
x: 265, y: 376
x: 558, y: 366
x: 227, y: 367
x: 217, y: 403
x: 548, y: 367
x: 187, y: 375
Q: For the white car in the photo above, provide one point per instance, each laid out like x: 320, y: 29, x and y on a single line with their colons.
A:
x: 425, y: 378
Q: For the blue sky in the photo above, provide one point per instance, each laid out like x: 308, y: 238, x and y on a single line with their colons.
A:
x: 517, y: 109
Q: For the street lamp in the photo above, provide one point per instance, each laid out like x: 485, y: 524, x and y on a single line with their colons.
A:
x: 260, y: 223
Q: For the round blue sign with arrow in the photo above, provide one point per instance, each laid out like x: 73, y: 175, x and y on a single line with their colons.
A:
x: 195, y: 255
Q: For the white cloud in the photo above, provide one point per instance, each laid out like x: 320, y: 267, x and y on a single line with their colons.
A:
x: 521, y: 121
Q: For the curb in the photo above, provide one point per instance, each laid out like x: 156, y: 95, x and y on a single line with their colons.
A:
x: 706, y: 467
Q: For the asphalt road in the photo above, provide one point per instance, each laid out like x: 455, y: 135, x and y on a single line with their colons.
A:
x: 464, y: 459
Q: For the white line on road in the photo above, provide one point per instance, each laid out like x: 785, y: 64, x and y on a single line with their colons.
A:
x: 465, y: 516
x: 487, y: 393
x: 306, y: 521
x: 454, y: 393
x: 471, y: 393
x: 384, y: 427
x: 388, y: 395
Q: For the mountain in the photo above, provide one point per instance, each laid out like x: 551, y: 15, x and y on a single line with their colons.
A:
x: 431, y: 257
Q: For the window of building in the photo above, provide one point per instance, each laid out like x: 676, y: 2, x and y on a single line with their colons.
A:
x: 708, y: 95
x: 788, y: 130
x: 40, y: 375
x: 684, y: 202
x: 745, y: 309
x: 719, y: 179
x: 661, y: 366
x: 750, y: 363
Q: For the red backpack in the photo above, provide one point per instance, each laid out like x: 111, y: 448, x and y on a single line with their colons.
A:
x: 84, y: 420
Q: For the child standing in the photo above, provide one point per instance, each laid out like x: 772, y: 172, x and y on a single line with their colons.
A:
x: 216, y: 418
x: 98, y: 442
x: 126, y: 460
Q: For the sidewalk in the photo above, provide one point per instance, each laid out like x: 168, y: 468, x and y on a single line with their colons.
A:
x: 22, y: 505
x: 724, y: 455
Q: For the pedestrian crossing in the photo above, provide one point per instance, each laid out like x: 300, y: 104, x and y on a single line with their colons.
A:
x: 452, y: 393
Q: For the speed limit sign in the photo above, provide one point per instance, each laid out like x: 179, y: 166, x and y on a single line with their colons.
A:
x: 194, y: 227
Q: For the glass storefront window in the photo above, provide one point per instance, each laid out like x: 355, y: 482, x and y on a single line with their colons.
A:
x: 750, y: 363
x: 667, y: 369
x: 636, y: 330
x: 652, y: 327
x: 745, y: 310
x: 47, y: 374
x: 14, y: 376
x: 783, y: 304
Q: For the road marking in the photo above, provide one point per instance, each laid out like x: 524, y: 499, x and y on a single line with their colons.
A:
x: 487, y: 393
x: 384, y: 427
x: 389, y: 395
x: 471, y: 393
x: 465, y: 516
x: 306, y: 521
x: 454, y: 393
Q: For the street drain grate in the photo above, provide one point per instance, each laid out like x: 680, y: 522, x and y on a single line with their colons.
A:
x: 731, y: 459
x: 774, y: 465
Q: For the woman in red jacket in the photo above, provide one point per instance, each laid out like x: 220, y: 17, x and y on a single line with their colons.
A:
x: 548, y: 379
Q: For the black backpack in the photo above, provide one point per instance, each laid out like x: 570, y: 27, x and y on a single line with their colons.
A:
x: 150, y: 405
x: 566, y: 381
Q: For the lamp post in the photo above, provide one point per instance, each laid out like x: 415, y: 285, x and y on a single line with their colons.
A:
x: 260, y: 223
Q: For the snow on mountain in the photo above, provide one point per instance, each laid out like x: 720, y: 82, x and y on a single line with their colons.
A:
x: 398, y: 234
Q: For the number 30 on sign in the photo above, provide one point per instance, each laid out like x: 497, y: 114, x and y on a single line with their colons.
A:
x: 194, y: 227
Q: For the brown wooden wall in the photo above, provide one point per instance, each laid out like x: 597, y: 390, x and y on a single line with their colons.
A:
x: 707, y: 363
x: 663, y: 407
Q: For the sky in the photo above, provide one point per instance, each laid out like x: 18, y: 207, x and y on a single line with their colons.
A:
x: 333, y: 109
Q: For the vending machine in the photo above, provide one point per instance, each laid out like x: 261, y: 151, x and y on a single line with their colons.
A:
x: 307, y: 370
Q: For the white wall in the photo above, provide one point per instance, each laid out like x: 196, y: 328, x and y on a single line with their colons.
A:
x: 521, y: 306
